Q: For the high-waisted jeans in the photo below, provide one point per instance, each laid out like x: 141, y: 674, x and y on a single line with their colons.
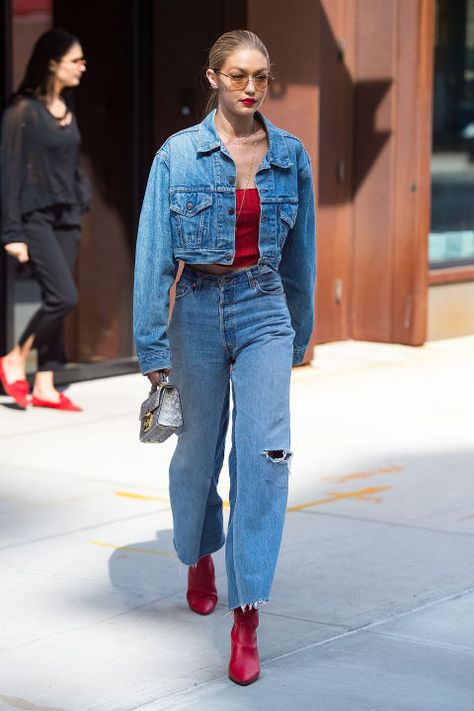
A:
x: 233, y: 331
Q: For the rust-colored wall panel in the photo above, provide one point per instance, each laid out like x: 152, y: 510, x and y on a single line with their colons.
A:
x: 413, y: 174
x: 104, y: 279
x: 373, y: 175
x: 405, y: 185
x: 369, y: 74
x: 392, y: 169
x: 292, y: 38
x: 335, y: 169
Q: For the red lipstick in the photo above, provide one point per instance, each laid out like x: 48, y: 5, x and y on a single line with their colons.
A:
x: 249, y: 102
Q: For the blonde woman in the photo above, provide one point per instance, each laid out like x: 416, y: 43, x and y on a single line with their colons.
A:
x: 231, y: 197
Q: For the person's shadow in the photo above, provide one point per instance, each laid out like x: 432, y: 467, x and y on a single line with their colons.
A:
x: 11, y: 406
x: 151, y: 581
x: 147, y: 570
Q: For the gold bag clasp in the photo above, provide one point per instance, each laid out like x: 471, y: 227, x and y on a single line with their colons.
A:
x: 148, y: 419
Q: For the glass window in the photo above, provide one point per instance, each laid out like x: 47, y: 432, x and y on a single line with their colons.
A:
x: 451, y: 240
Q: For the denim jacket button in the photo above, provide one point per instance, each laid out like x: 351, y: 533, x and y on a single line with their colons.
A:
x: 231, y: 180
x: 231, y: 210
x: 189, y: 206
x: 228, y: 257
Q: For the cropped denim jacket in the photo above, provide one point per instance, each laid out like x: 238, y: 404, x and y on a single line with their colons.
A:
x: 188, y: 214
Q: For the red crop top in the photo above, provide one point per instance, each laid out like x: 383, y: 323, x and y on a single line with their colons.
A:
x: 246, y: 228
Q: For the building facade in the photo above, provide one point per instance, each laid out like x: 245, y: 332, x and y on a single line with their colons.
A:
x: 381, y: 93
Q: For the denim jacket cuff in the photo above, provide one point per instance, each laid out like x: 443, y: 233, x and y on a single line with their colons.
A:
x: 156, y: 361
x: 298, y: 355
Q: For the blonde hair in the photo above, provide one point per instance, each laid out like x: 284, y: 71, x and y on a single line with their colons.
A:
x: 223, y: 46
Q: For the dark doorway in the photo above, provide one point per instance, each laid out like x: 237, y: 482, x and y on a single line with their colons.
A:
x: 113, y: 106
x: 183, y: 34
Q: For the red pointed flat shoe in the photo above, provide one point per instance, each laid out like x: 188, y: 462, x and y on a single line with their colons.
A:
x: 18, y: 390
x: 64, y: 404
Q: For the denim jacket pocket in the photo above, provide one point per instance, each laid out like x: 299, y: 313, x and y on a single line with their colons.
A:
x: 287, y: 214
x: 191, y: 213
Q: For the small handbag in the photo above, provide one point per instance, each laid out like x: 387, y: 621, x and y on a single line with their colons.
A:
x: 160, y: 413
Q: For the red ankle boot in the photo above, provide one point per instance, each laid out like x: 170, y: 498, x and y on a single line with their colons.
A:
x: 244, y: 666
x: 202, y: 593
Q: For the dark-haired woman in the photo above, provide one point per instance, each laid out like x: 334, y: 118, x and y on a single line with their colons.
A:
x: 43, y: 195
x: 233, y: 198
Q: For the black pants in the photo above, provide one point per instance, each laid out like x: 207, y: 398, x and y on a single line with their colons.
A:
x: 52, y: 245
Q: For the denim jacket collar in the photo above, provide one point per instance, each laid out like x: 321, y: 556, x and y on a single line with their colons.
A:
x: 208, y: 140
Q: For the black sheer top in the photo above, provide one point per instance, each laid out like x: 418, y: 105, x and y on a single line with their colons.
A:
x: 39, y: 166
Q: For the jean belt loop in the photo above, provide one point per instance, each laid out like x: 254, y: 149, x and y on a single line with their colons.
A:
x: 251, y: 277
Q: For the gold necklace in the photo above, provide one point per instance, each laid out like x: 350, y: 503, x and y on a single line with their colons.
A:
x: 248, y: 180
x: 239, y: 141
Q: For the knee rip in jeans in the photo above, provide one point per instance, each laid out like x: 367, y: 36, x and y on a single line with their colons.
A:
x: 277, y: 456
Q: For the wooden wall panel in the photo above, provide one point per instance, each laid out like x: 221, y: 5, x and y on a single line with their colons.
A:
x: 292, y: 38
x: 374, y: 136
x: 392, y: 150
x: 335, y: 166
x: 413, y: 171
x: 355, y: 83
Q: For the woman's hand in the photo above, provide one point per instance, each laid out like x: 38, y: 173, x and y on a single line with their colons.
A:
x: 19, y: 250
x: 156, y: 376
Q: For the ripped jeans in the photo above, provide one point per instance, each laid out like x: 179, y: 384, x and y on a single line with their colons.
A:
x: 233, y: 331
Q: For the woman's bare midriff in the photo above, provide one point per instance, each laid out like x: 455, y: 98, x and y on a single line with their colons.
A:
x: 218, y: 268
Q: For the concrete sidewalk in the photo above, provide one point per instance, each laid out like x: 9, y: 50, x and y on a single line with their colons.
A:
x: 373, y: 602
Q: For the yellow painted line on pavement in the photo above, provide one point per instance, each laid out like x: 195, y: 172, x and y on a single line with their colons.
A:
x: 340, y: 478
x: 142, y: 497
x: 133, y: 549
x: 18, y: 703
x: 369, y: 494
x: 360, y: 494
